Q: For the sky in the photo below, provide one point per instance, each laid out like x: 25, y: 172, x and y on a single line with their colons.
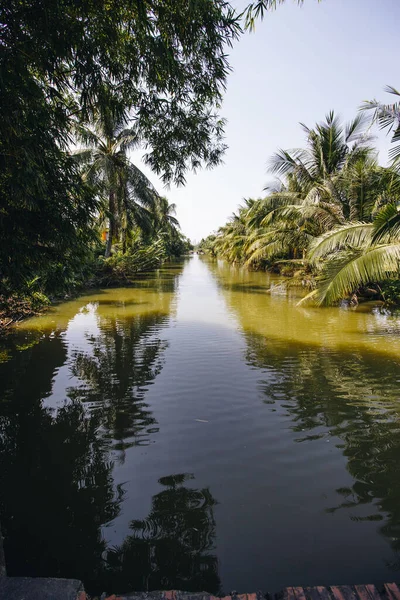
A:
x: 299, y: 64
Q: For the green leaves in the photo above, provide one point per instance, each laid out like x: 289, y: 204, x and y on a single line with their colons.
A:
x: 387, y: 116
x: 353, y: 235
x: 257, y: 10
x: 335, y: 210
x: 387, y: 223
x: 67, y: 63
x: 350, y: 270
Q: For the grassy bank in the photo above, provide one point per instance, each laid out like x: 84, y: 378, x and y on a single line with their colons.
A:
x: 117, y: 270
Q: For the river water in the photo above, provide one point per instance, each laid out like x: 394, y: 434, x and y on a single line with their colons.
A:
x: 200, y: 431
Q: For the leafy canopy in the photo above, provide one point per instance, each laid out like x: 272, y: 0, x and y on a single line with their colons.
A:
x: 164, y: 63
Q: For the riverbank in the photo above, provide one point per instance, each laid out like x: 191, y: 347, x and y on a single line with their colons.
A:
x: 115, y: 271
x: 14, y: 309
x: 300, y: 274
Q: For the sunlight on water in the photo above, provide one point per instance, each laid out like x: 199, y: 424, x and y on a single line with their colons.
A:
x: 249, y: 297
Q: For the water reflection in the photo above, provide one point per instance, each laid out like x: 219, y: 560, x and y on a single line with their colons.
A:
x: 173, y: 547
x: 333, y: 396
x: 57, y: 475
x: 262, y: 305
x: 113, y: 372
x: 347, y: 398
x: 56, y: 484
x: 289, y: 417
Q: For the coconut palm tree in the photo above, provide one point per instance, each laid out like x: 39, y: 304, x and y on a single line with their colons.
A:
x: 387, y: 116
x: 165, y: 219
x: 127, y: 193
x: 333, y: 208
x: 166, y: 227
x: 231, y: 239
x: 331, y: 148
x: 312, y: 197
x: 355, y: 255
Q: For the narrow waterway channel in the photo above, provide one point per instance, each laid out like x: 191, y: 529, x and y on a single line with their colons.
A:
x: 199, y: 431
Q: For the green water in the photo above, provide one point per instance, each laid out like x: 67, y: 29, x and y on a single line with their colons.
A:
x: 201, y: 431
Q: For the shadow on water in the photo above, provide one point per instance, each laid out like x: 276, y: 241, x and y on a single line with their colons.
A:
x: 333, y: 376
x: 57, y: 491
x: 119, y: 303
x: 246, y: 288
x: 56, y: 484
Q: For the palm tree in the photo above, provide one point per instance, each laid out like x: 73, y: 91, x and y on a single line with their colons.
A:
x: 331, y: 148
x: 312, y: 198
x: 333, y: 209
x: 128, y: 194
x: 388, y: 117
x: 365, y: 249
x: 231, y: 239
x: 355, y: 255
x: 165, y: 219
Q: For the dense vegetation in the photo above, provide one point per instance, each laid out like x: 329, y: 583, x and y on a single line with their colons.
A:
x: 332, y: 218
x: 83, y: 84
x: 110, y: 75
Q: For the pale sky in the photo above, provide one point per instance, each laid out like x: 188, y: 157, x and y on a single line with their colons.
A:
x: 299, y: 64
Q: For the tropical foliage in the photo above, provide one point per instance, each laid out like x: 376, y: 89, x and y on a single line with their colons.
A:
x: 332, y: 214
x: 256, y: 10
x: 158, y: 68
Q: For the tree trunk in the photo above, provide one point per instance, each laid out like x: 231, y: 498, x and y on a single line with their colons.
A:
x: 111, y: 224
x: 124, y: 234
x: 109, y: 241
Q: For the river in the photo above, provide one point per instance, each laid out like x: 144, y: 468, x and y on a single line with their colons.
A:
x: 200, y: 431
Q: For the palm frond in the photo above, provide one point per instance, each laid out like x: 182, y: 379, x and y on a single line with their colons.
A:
x: 355, y: 129
x: 87, y: 136
x: 83, y: 156
x: 391, y: 90
x: 387, y: 223
x: 140, y: 186
x: 354, y: 269
x: 128, y: 139
x: 353, y: 234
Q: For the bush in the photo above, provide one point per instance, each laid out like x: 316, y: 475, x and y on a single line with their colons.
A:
x: 120, y: 268
x: 390, y: 291
x: 14, y: 308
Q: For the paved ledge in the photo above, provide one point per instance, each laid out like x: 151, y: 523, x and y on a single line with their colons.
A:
x: 178, y: 595
x: 390, y: 591
x: 40, y: 588
x: 27, y: 588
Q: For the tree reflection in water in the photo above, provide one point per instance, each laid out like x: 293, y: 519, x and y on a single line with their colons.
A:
x: 57, y: 488
x: 352, y: 397
x: 173, y: 547
x: 56, y: 485
x: 124, y: 358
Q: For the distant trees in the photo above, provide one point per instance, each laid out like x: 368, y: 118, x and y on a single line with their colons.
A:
x: 334, y: 212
